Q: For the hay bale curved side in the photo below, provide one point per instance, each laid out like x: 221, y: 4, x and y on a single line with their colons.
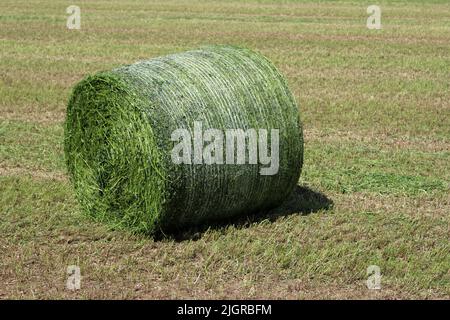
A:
x: 118, y: 138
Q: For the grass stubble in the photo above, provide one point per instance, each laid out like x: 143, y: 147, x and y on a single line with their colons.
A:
x: 375, y: 108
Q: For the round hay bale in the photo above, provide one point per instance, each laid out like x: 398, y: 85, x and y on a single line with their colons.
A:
x: 120, y: 128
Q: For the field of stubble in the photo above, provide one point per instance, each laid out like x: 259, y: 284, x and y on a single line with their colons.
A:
x: 374, y: 190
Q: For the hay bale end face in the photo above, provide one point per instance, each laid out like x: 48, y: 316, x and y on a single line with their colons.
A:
x: 119, y: 139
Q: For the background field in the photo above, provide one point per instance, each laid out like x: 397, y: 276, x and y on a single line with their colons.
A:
x: 376, y: 111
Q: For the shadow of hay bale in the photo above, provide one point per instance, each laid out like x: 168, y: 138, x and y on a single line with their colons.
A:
x: 302, y: 201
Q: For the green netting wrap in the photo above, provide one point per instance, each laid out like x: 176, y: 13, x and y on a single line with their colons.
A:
x: 119, y: 143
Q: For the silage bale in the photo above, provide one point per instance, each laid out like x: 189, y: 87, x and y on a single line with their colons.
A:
x: 120, y: 123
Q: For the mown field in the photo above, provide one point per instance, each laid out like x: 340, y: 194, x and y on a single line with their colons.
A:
x: 375, y: 187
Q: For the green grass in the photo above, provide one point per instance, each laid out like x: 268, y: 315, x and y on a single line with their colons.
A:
x: 376, y: 111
